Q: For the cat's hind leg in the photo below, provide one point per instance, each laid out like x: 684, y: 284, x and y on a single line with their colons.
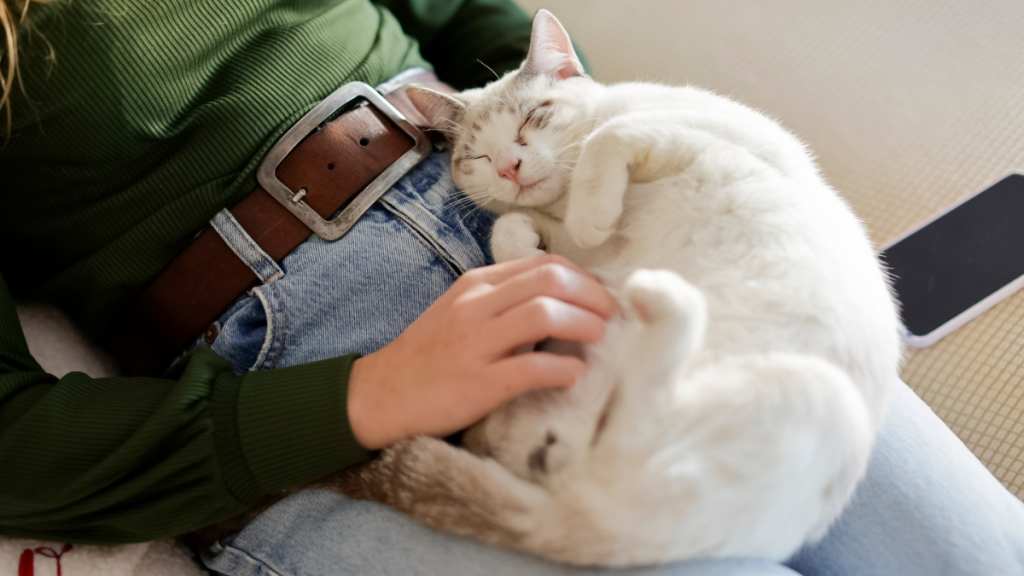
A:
x: 750, y: 456
x: 784, y: 438
x: 448, y: 488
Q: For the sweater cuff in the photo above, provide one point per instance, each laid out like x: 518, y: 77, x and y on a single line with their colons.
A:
x: 291, y: 427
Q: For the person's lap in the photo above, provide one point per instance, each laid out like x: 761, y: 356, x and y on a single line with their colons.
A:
x: 927, y: 506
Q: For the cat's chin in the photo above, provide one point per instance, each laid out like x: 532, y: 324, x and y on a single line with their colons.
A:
x: 539, y: 194
x: 531, y: 189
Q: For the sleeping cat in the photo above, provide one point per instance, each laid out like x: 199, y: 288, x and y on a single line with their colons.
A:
x: 731, y: 408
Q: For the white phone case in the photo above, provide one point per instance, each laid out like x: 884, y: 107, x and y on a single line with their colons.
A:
x: 922, y: 341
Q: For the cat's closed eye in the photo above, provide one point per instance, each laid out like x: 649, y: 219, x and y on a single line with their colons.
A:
x: 519, y: 133
x: 484, y: 157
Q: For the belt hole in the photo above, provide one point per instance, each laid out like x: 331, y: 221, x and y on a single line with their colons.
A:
x: 330, y: 166
x: 364, y: 141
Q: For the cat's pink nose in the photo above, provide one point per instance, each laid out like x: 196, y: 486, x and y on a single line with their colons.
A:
x: 511, y: 171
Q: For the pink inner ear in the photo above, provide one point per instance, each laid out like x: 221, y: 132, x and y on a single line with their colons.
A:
x: 552, y: 50
x: 557, y: 63
x: 561, y: 43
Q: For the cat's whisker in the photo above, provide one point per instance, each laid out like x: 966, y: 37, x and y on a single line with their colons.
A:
x: 461, y: 203
x: 566, y: 147
x: 471, y: 191
x: 496, y: 77
x: 458, y: 202
x: 474, y: 211
x: 467, y: 199
x: 465, y: 196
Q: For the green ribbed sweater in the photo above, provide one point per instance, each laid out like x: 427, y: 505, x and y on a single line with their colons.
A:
x: 151, y: 117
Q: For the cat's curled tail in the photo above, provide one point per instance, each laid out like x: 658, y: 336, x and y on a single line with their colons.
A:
x: 741, y: 456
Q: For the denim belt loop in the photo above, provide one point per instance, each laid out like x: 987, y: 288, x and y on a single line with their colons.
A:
x: 245, y: 247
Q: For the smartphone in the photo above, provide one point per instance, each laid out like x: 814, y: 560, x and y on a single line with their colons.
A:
x: 960, y: 263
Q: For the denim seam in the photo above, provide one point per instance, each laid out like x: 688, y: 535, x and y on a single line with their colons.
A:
x: 268, y: 338
x: 471, y: 220
x: 443, y: 254
x: 423, y: 237
x: 284, y: 325
x: 474, y: 226
x: 245, y: 556
x: 451, y: 261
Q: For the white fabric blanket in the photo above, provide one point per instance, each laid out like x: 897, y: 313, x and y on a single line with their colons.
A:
x: 37, y: 558
x: 60, y: 348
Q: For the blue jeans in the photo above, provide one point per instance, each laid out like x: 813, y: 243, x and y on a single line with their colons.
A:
x: 927, y: 505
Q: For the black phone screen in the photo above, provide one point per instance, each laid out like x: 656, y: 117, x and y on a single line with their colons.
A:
x: 960, y: 258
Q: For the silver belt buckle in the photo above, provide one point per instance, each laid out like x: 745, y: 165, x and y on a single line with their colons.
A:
x: 292, y: 199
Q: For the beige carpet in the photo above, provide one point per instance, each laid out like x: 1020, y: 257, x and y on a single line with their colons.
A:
x: 910, y: 105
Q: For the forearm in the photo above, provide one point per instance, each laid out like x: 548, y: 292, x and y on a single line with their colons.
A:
x: 123, y: 459
x: 129, y: 459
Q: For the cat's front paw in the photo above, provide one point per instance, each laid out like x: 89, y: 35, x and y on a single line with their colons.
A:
x: 513, y: 237
x: 592, y: 225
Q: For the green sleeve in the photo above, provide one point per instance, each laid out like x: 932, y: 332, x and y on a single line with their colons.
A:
x: 114, y: 460
x: 454, y: 34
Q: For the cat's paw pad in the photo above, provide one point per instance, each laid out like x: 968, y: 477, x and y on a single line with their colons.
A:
x: 514, y: 237
x: 590, y: 227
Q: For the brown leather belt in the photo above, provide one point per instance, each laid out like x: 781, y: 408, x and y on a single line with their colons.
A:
x: 323, y: 164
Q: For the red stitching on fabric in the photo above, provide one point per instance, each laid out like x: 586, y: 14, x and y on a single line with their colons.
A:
x: 27, y: 562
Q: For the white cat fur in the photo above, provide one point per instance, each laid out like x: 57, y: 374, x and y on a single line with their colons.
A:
x: 731, y: 409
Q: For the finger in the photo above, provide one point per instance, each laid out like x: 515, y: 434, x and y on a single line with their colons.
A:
x: 518, y: 374
x: 552, y: 280
x: 541, y: 318
x: 498, y: 273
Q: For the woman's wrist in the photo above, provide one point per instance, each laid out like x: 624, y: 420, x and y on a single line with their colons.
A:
x: 364, y: 405
x: 457, y: 361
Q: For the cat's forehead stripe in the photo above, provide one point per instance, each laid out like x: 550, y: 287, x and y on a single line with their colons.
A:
x: 540, y: 120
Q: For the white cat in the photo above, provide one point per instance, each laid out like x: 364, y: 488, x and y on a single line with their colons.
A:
x: 731, y: 410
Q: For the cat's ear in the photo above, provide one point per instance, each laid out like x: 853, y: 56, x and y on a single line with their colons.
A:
x: 440, y: 111
x: 551, y: 52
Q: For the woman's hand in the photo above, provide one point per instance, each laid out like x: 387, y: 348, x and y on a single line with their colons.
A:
x: 456, y: 362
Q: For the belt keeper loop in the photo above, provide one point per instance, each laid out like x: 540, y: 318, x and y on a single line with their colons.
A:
x: 247, y: 250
